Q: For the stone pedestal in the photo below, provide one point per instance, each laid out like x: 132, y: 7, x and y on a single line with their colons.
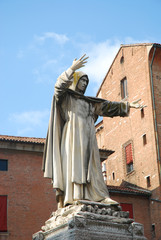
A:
x: 90, y: 221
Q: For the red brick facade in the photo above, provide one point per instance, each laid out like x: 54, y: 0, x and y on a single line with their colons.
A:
x: 142, y: 128
x: 141, y: 210
x: 30, y: 197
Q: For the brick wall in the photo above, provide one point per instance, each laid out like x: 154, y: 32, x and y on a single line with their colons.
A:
x: 155, y: 207
x: 31, y: 199
x: 156, y: 80
x: 118, y: 131
x: 141, y: 209
x: 133, y: 62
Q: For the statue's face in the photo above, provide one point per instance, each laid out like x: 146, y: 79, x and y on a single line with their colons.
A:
x: 82, y: 84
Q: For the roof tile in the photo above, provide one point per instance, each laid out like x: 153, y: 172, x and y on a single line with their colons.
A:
x: 130, y: 190
x: 22, y: 139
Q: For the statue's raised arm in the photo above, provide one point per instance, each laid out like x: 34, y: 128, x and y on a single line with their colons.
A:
x: 77, y: 64
x: 65, y: 80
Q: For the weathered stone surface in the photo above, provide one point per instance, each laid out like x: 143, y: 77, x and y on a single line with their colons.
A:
x: 85, y: 221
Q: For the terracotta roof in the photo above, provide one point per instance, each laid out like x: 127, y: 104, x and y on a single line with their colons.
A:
x: 22, y: 139
x: 140, y: 44
x: 37, y: 141
x: 136, y: 44
x: 128, y: 190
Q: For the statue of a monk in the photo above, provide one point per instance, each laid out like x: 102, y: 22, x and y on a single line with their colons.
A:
x: 71, y: 155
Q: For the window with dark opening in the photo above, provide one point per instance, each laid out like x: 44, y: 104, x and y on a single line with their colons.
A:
x: 104, y: 171
x: 144, y: 139
x: 3, y: 213
x: 153, y: 230
x: 123, y: 88
x: 122, y: 60
x: 3, y: 165
x: 113, y: 176
x: 142, y: 112
x: 148, y: 181
x: 129, y: 158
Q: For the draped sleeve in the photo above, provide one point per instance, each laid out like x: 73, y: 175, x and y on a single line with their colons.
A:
x: 112, y: 109
x: 63, y: 83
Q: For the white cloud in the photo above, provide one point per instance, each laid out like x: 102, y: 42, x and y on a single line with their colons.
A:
x: 27, y: 123
x: 101, y: 56
x: 49, y: 64
x: 31, y: 118
x: 54, y: 57
x: 59, y: 38
x: 130, y: 40
x: 24, y: 131
x: 45, y: 72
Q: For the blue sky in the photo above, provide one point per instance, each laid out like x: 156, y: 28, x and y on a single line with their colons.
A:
x: 40, y: 38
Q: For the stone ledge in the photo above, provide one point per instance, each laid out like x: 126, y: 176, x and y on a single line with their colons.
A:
x: 4, y: 233
x: 80, y: 228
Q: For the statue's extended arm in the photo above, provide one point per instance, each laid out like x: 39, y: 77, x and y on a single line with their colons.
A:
x: 112, y: 109
x: 66, y: 78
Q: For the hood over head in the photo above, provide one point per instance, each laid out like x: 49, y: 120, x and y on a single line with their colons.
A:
x: 77, y: 76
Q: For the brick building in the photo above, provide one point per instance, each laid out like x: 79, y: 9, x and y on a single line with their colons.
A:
x: 136, y: 201
x: 26, y: 197
x: 135, y: 73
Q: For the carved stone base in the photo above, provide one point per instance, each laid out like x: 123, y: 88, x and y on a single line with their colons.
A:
x: 90, y: 221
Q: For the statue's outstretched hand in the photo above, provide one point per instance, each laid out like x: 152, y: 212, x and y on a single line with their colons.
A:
x: 136, y: 104
x: 79, y: 63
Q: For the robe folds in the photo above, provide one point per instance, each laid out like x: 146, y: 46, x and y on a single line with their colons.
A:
x: 71, y: 155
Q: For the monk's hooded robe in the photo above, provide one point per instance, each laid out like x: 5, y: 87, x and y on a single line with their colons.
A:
x: 71, y: 155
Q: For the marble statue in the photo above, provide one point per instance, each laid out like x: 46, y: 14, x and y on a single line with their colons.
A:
x: 71, y: 155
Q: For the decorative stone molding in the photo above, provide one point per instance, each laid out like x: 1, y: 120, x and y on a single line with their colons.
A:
x: 90, y: 220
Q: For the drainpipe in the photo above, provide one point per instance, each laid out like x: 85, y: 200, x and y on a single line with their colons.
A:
x: 154, y: 112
